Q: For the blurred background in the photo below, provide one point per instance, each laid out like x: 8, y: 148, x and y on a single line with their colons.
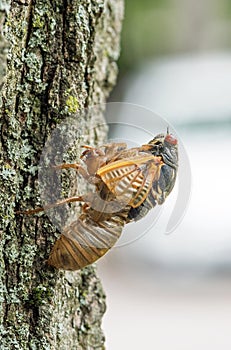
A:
x: 174, y: 291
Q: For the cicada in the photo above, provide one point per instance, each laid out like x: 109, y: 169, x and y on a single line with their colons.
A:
x: 128, y: 183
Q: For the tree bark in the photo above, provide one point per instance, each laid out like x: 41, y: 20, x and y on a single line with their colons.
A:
x: 62, y: 58
x: 3, y: 43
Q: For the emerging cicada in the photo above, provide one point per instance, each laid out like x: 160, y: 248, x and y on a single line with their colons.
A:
x: 128, y: 183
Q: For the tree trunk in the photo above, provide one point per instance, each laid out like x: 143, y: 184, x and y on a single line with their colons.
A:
x: 62, y: 58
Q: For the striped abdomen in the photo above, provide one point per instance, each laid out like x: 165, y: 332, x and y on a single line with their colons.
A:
x: 86, y: 240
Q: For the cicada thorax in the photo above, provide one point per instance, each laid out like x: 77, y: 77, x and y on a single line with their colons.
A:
x: 94, y: 158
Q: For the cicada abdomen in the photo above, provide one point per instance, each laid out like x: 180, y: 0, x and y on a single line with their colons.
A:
x: 86, y: 240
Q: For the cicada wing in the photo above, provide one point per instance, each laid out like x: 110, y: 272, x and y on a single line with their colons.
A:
x: 151, y: 174
x: 130, y: 180
x: 85, y: 241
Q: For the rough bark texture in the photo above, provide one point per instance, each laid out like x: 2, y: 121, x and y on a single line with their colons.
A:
x: 62, y: 58
x: 3, y: 43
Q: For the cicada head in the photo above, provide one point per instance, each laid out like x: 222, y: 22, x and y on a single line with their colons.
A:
x: 166, y: 146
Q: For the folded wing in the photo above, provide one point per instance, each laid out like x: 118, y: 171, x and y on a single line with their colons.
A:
x: 130, y: 180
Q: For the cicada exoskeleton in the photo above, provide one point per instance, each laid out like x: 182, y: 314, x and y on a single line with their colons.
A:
x: 128, y: 183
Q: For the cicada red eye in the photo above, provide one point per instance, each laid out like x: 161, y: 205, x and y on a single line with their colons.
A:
x: 171, y: 139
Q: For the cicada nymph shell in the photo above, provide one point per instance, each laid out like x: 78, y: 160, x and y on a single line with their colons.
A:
x: 136, y: 179
x: 128, y: 183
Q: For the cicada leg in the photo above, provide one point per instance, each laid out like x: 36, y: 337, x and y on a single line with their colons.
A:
x: 88, y: 147
x: 79, y: 168
x: 53, y: 205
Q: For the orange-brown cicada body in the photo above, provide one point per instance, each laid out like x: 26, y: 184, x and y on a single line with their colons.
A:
x: 128, y: 183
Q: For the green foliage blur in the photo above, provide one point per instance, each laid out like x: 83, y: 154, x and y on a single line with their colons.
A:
x: 155, y: 28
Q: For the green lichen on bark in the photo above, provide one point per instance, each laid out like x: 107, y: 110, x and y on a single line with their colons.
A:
x: 62, y: 58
